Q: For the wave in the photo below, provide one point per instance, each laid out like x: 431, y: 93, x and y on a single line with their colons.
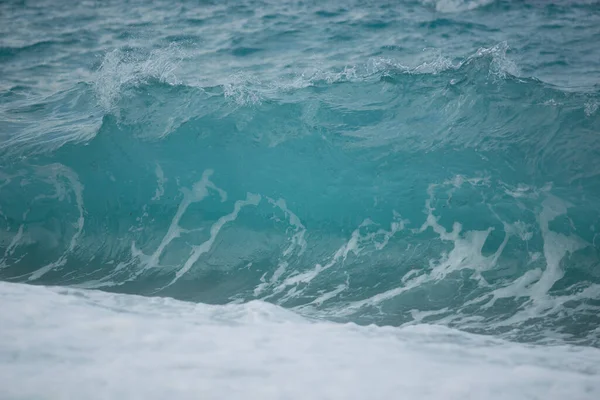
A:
x: 453, y: 192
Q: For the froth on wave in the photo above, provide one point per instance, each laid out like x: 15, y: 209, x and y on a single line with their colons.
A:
x: 170, y: 348
x: 454, y: 6
x: 122, y: 70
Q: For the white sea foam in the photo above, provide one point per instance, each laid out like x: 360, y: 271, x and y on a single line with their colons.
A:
x: 590, y: 108
x: 242, y: 89
x: 296, y: 247
x: 453, y: 6
x: 364, y: 238
x: 121, y: 69
x: 160, y: 183
x: 58, y: 343
x: 198, y: 192
x: 56, y: 175
x: 251, y: 200
x: 532, y: 291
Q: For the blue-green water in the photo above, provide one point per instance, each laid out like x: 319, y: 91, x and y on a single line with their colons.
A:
x: 376, y: 162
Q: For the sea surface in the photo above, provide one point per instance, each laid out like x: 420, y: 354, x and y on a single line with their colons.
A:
x: 281, y: 199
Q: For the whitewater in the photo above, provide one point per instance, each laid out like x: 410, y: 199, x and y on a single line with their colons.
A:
x: 295, y: 199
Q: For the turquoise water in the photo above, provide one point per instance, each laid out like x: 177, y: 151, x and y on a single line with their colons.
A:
x: 388, y: 163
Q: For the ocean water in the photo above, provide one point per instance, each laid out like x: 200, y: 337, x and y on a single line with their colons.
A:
x: 300, y: 199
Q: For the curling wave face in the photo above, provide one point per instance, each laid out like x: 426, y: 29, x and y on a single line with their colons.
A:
x: 462, y: 190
